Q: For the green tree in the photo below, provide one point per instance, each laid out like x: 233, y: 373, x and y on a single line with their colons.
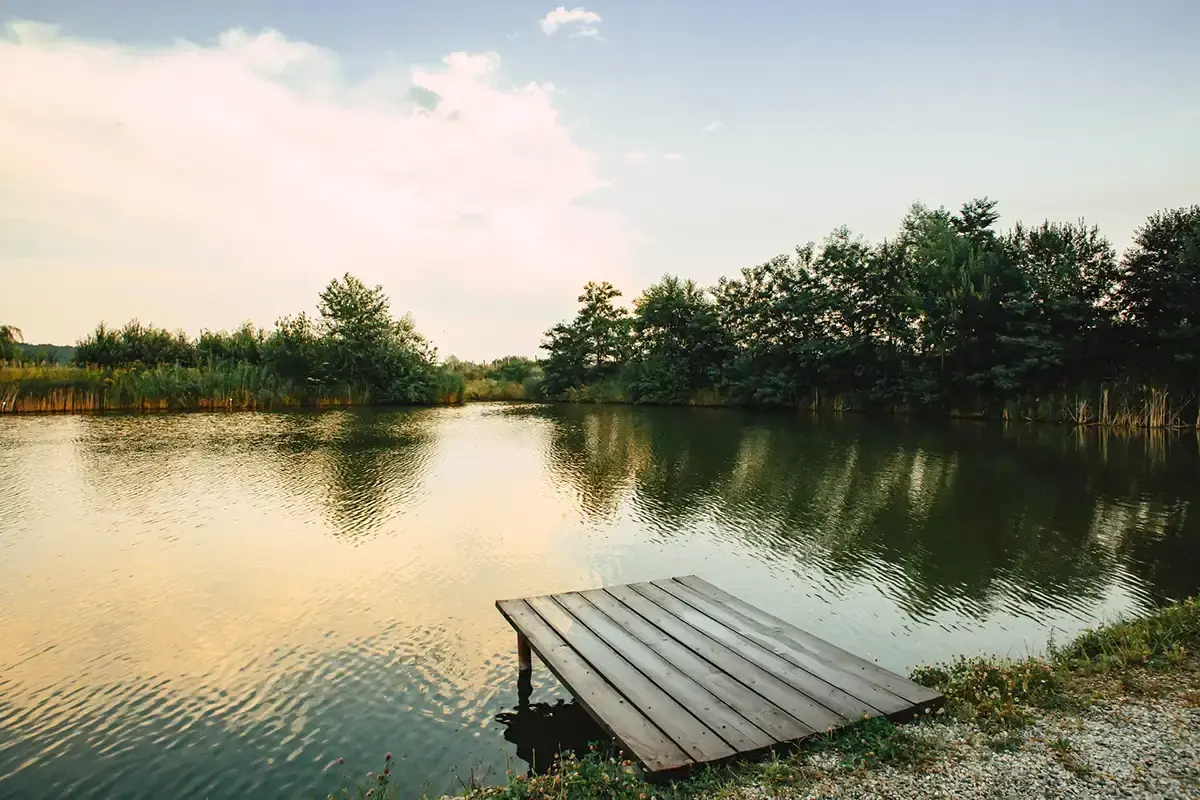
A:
x: 367, y: 350
x: 294, y: 352
x: 591, y: 348
x: 10, y: 337
x: 677, y: 342
x: 1159, y: 295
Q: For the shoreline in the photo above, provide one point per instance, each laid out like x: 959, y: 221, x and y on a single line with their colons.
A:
x: 63, y: 408
x: 1115, y: 713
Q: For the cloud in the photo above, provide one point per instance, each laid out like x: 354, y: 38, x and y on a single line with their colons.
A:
x: 578, y: 16
x: 198, y: 185
x: 713, y: 126
x: 636, y: 157
x: 672, y: 156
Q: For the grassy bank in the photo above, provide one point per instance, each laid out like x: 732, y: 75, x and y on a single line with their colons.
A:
x: 994, y: 706
x: 69, y: 389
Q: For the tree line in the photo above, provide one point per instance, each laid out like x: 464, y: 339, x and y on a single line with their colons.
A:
x: 353, y: 347
x: 949, y: 315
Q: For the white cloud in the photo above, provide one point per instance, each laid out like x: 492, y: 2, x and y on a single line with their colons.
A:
x: 713, y: 126
x: 672, y: 156
x: 200, y: 185
x: 636, y: 157
x: 561, y: 17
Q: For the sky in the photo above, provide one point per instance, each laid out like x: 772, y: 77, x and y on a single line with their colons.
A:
x: 197, y: 165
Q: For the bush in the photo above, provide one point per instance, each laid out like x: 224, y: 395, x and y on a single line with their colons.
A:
x: 987, y: 690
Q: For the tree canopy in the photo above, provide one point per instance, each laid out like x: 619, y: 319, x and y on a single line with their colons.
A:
x: 949, y: 314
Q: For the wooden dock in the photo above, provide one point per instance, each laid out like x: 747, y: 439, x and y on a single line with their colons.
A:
x: 683, y: 674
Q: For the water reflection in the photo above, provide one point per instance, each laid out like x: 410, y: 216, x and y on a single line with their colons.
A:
x: 542, y: 730
x: 970, y: 515
x: 219, y: 604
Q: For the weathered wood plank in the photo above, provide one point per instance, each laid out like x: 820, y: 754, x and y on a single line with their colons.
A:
x: 920, y: 696
x: 689, y: 655
x: 693, y: 737
x: 622, y: 720
x: 827, y: 694
x: 805, y: 709
x: 875, y: 698
x: 738, y: 732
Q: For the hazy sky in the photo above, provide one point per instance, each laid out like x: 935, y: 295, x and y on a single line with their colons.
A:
x: 198, y: 164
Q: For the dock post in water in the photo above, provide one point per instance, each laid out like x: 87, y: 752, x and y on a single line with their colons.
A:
x: 524, y: 660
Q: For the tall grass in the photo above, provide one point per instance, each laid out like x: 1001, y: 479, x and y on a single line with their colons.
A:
x: 48, y: 388
x: 1121, y: 405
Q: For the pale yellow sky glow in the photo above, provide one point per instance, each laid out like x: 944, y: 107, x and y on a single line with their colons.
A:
x: 198, y: 186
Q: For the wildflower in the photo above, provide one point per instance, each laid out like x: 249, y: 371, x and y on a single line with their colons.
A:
x: 387, y: 771
x: 388, y: 757
x: 341, y: 761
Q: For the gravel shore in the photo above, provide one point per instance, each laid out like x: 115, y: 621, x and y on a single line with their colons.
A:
x: 1143, y: 747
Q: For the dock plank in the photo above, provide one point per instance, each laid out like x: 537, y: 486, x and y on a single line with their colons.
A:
x: 764, y: 705
x: 738, y: 732
x: 692, y: 736
x: 683, y: 674
x: 623, y: 721
x: 827, y: 694
x: 800, y: 706
x: 877, y: 699
x: 914, y: 693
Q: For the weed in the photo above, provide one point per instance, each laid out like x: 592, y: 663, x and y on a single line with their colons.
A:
x: 876, y: 742
x: 1006, y: 741
x: 994, y: 692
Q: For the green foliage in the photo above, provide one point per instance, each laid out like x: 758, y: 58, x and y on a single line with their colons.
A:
x: 1160, y: 293
x: 1163, y: 638
x: 10, y: 337
x: 950, y: 315
x: 509, y: 378
x: 355, y: 351
x: 677, y: 343
x: 591, y: 348
x: 875, y: 742
x: 135, y: 344
x: 994, y: 691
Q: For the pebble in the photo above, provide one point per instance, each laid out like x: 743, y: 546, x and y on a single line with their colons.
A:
x: 1142, y: 748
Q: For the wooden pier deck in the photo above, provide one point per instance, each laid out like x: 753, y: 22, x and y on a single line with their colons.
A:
x: 683, y: 674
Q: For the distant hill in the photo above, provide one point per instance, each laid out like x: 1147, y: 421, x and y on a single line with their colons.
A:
x: 49, y: 353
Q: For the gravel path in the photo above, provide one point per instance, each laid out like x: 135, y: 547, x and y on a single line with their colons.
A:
x: 1142, y: 748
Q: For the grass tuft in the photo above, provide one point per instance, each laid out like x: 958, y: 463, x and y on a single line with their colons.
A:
x: 995, y: 692
x: 876, y: 742
x: 1161, y: 639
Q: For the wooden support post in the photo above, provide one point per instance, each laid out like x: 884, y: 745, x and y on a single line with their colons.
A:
x: 523, y: 657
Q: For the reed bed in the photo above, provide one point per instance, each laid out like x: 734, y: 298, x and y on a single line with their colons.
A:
x: 66, y: 389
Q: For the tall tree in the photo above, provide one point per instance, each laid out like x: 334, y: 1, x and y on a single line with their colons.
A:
x: 10, y: 336
x: 366, y: 348
x: 677, y: 341
x: 593, y: 346
x: 1159, y: 294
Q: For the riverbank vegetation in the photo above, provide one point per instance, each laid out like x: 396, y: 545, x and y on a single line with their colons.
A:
x: 949, y: 316
x: 353, y: 352
x: 995, y: 707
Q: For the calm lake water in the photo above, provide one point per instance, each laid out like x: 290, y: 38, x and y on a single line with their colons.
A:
x: 218, y: 605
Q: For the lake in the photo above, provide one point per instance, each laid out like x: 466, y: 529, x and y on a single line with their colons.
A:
x: 218, y: 605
